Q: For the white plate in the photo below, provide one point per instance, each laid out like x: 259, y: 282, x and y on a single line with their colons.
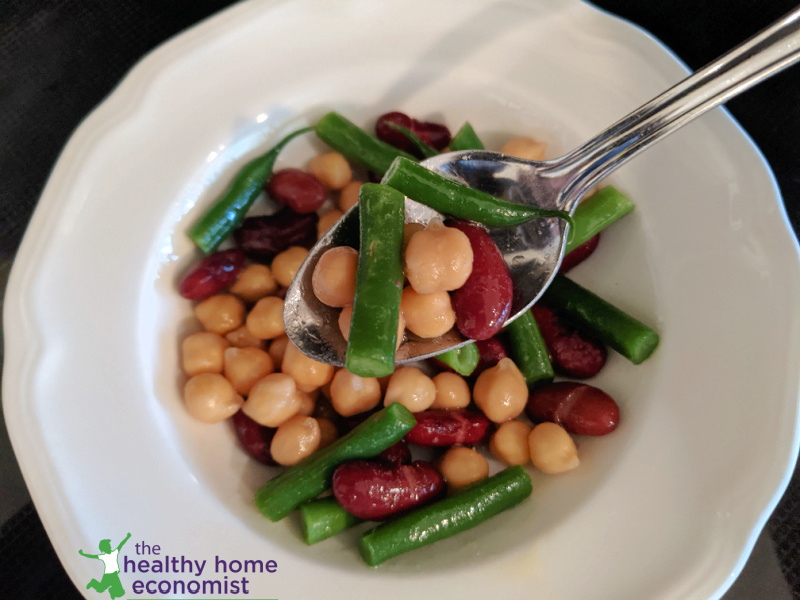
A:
x: 667, y: 507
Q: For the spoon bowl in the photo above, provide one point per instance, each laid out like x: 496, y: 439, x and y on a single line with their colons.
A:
x: 533, y: 251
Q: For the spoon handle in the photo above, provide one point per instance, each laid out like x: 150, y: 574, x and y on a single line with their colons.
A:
x: 765, y: 54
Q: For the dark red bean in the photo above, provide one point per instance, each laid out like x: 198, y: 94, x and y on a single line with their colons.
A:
x: 579, y: 254
x: 483, y: 303
x: 299, y: 190
x: 376, y: 490
x: 440, y: 427
x: 434, y: 134
x: 212, y: 275
x: 254, y: 438
x: 392, y: 136
x: 397, y: 454
x: 572, y: 353
x: 261, y: 238
x: 491, y: 352
x: 579, y: 408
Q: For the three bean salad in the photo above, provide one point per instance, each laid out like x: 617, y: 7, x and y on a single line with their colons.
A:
x: 349, y: 437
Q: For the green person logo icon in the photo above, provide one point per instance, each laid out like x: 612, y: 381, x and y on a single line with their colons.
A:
x: 110, y: 580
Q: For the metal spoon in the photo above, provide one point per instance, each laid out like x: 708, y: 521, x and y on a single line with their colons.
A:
x: 533, y: 251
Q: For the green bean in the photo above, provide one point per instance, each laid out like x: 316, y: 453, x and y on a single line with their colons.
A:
x: 325, y: 518
x: 597, y: 212
x: 462, y: 360
x: 461, y: 511
x: 230, y: 210
x: 379, y: 281
x: 356, y: 144
x: 424, y: 149
x: 457, y: 200
x: 466, y: 139
x: 312, y: 476
x: 528, y: 350
x: 600, y: 319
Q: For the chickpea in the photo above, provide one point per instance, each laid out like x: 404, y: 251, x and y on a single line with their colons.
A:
x: 203, y: 353
x: 452, y: 391
x: 278, y: 348
x: 210, y: 398
x: 295, y: 439
x: 346, y: 316
x: 501, y: 392
x: 273, y: 400
x: 254, y: 282
x: 334, y: 277
x: 461, y: 466
x: 332, y: 169
x: 307, y: 372
x: 348, y: 197
x: 265, y: 320
x: 552, y: 449
x: 286, y: 263
x: 246, y: 366
x: 427, y: 315
x: 328, y: 432
x: 525, y: 147
x: 351, y: 394
x: 220, y: 313
x: 438, y: 259
x: 510, y: 443
x: 327, y: 221
x: 242, y: 338
x: 412, y: 388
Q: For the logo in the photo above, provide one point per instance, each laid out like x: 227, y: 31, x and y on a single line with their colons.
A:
x: 110, y: 581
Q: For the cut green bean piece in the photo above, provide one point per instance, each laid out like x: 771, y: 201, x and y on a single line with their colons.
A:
x: 424, y: 149
x: 597, y: 212
x: 309, y: 478
x: 462, y: 360
x: 230, y: 210
x: 325, y: 518
x: 356, y: 144
x: 600, y: 319
x: 528, y: 350
x: 457, y: 200
x: 466, y: 139
x: 379, y: 282
x: 461, y: 511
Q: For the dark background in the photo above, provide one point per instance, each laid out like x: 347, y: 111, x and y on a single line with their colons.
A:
x: 60, y: 58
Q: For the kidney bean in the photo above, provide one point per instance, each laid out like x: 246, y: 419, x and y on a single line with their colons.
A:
x: 435, y: 135
x: 299, y: 190
x: 579, y: 254
x: 443, y: 427
x: 491, y: 352
x: 579, y: 408
x: 212, y: 275
x: 572, y: 353
x: 375, y: 490
x: 261, y: 238
x: 254, y: 438
x: 397, y: 454
x: 483, y: 303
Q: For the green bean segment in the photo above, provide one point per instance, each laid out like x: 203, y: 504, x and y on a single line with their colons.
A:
x: 528, y: 350
x: 462, y: 360
x: 597, y: 212
x: 600, y: 319
x: 379, y: 282
x: 466, y: 139
x: 324, y: 518
x: 230, y: 210
x: 356, y: 144
x: 309, y: 478
x: 461, y: 511
x: 424, y: 149
x: 457, y: 200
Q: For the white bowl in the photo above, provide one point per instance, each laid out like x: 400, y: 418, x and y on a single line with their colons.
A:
x: 668, y: 507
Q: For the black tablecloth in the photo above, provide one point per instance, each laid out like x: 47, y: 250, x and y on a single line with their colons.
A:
x: 60, y: 58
